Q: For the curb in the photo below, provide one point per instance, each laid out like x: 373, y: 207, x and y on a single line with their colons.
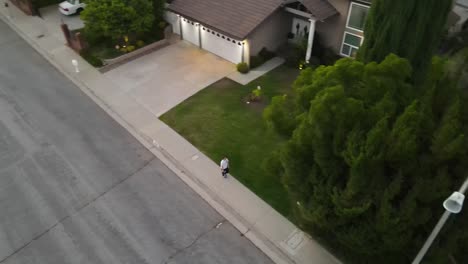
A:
x: 259, y: 240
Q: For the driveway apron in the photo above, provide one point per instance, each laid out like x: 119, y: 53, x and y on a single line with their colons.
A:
x: 161, y: 80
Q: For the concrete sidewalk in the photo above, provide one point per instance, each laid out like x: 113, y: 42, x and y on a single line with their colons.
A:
x: 255, y: 219
x: 245, y: 78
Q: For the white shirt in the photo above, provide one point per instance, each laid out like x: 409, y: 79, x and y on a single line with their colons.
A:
x: 224, y: 164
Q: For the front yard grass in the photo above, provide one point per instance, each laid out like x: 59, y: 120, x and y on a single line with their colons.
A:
x: 219, y: 122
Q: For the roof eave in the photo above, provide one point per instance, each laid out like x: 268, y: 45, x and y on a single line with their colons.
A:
x: 239, y: 38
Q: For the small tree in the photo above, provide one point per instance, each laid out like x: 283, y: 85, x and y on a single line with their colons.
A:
x: 159, y: 6
x: 116, y: 19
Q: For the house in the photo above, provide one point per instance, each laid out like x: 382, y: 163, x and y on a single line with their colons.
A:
x: 238, y: 29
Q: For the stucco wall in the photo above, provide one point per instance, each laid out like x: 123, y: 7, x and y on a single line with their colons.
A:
x: 272, y: 33
x: 173, y: 19
x: 331, y: 30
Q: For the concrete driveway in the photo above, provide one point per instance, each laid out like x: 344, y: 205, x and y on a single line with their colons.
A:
x: 53, y: 19
x: 161, y: 80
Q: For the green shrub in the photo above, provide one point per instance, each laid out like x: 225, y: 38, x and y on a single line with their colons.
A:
x: 261, y: 58
x: 140, y: 43
x: 256, y: 61
x: 314, y: 62
x: 293, y: 59
x: 243, y: 67
x: 329, y: 57
x: 266, y: 54
x: 91, y: 59
x: 255, y: 95
x: 93, y: 38
x: 130, y: 48
x: 279, y: 117
x: 162, y: 24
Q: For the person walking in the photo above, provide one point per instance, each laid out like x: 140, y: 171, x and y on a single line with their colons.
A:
x: 224, y: 165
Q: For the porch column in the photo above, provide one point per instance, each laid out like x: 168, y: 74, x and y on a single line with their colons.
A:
x: 310, y: 40
x: 242, y: 56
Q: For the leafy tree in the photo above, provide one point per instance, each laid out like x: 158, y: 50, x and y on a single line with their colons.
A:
x: 159, y: 6
x: 371, y: 156
x: 409, y: 29
x: 116, y: 19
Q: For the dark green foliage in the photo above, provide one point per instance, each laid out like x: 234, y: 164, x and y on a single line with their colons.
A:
x: 409, y: 29
x: 263, y: 56
x: 266, y: 54
x: 243, y: 67
x: 321, y: 54
x: 91, y: 59
x: 297, y: 53
x: 325, y: 54
x: 159, y: 7
x: 279, y: 117
x: 92, y: 37
x: 115, y: 19
x: 371, y: 157
x: 328, y: 57
x: 256, y: 61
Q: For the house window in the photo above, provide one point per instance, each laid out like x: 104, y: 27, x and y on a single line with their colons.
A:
x: 351, y: 44
x: 357, y: 16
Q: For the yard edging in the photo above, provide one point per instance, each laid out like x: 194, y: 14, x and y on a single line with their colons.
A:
x: 115, y: 62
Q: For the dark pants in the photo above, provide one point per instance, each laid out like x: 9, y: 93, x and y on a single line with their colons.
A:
x: 225, y: 172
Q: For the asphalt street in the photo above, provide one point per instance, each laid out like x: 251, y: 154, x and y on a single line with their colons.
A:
x: 75, y: 187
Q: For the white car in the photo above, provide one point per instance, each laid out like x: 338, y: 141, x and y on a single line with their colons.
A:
x: 71, y: 7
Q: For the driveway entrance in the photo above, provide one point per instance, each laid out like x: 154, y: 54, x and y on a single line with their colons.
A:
x: 53, y: 18
x: 161, y: 80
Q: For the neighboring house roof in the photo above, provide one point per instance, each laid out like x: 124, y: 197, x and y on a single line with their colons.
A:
x: 235, y: 18
x: 320, y: 9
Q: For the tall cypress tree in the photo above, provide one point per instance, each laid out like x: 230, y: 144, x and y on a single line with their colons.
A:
x: 369, y: 159
x: 408, y: 28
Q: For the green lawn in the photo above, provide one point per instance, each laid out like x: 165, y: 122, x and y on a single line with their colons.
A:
x: 219, y: 122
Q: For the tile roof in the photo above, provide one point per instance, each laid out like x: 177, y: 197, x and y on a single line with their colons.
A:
x: 238, y: 18
x: 320, y: 9
x: 235, y: 18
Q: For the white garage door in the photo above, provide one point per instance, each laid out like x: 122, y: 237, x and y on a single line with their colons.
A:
x: 190, y: 31
x: 221, y: 45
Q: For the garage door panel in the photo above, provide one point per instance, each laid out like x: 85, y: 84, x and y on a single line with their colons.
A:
x: 221, y: 46
x: 190, y: 32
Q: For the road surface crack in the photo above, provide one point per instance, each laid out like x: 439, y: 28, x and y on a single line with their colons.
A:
x: 180, y: 250
x: 37, y: 237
